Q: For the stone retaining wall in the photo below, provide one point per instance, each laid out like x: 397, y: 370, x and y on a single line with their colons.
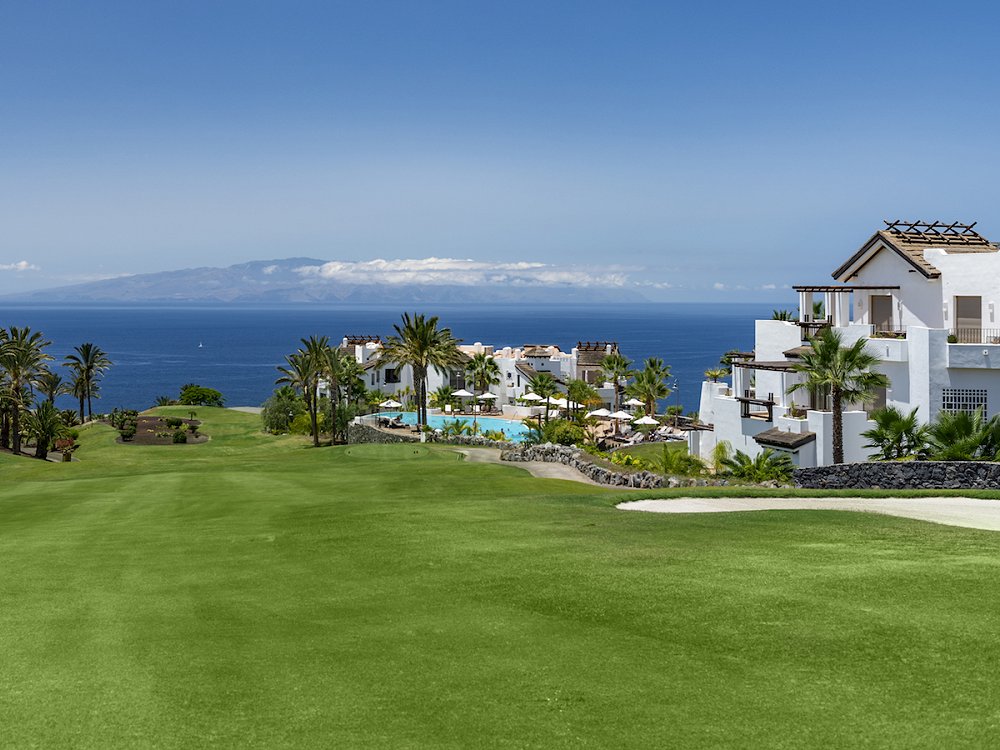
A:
x: 902, y: 475
x: 362, y: 433
x: 574, y: 457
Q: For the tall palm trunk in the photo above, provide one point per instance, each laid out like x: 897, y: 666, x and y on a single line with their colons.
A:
x: 838, y: 427
x: 15, y: 428
x: 90, y: 406
x: 5, y: 429
x: 83, y: 417
x: 313, y: 405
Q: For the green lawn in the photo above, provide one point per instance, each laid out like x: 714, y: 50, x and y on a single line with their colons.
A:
x: 653, y: 451
x: 253, y: 592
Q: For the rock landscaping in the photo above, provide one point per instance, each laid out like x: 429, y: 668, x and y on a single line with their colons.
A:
x: 585, y: 464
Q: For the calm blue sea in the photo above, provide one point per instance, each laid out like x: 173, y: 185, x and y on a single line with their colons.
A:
x: 155, y: 350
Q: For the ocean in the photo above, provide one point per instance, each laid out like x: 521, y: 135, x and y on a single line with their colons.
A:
x: 235, y: 350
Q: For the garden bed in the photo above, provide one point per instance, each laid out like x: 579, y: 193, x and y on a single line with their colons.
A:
x: 155, y: 430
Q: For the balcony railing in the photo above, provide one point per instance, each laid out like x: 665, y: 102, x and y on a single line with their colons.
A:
x: 746, y: 401
x: 812, y: 328
x: 974, y: 336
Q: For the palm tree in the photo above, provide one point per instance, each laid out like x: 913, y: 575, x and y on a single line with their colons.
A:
x: 90, y: 363
x: 766, y: 466
x: 964, y: 436
x: 442, y: 396
x: 845, y: 371
x: 782, y: 315
x: 582, y: 393
x: 482, y: 371
x: 649, y: 384
x: 45, y: 425
x: 52, y: 385
x: 22, y: 358
x: 300, y: 373
x: 716, y: 374
x: 419, y: 343
x: 544, y: 385
x: 896, y: 435
x: 616, y: 368
x: 678, y: 462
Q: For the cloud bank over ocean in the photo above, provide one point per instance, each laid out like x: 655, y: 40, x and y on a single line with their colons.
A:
x: 462, y: 272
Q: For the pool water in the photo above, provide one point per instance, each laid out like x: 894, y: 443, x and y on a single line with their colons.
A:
x: 514, y: 430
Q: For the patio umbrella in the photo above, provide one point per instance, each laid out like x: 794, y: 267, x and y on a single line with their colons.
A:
x: 463, y: 394
x: 531, y: 397
x: 645, y: 420
x: 487, y: 396
x: 390, y: 404
x: 634, y: 402
x: 621, y: 415
x: 599, y: 413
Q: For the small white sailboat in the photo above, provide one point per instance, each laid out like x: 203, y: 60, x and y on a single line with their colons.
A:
x: 201, y: 345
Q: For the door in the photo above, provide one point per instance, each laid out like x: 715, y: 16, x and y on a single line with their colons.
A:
x: 881, y: 312
x: 969, y: 320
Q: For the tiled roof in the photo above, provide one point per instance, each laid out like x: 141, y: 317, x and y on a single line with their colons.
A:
x: 910, y: 240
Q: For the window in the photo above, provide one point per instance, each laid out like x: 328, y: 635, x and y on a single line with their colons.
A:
x: 392, y: 375
x: 963, y: 399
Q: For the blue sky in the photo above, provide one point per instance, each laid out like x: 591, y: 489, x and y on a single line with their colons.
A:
x: 705, y: 150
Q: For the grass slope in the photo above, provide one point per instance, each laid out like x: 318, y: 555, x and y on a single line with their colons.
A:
x: 252, y: 592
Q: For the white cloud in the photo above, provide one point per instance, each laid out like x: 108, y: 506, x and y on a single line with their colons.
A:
x: 459, y: 272
x: 718, y: 286
x: 21, y: 265
x: 268, y: 270
x: 769, y: 286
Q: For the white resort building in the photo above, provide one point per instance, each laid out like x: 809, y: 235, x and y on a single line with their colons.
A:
x: 518, y: 367
x: 924, y: 295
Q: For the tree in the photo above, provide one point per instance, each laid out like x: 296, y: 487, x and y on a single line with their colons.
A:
x: 896, y: 435
x: 419, y: 343
x: 299, y: 372
x: 964, y: 436
x: 45, y: 425
x: 544, y: 385
x: 616, y: 368
x: 716, y: 374
x: 442, y: 396
x: 52, y: 385
x: 482, y: 371
x: 88, y: 364
x: 766, y: 466
x: 677, y: 461
x: 281, y: 409
x: 649, y: 384
x: 782, y: 315
x: 196, y: 395
x: 845, y: 371
x: 22, y: 359
x: 581, y: 393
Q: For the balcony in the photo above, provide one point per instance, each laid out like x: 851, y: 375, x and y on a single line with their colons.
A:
x: 747, y: 402
x: 812, y: 328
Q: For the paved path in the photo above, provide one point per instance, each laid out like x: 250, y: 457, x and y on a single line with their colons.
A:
x: 247, y: 409
x: 973, y: 513
x: 541, y: 469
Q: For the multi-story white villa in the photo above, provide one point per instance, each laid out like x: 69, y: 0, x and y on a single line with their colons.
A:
x: 518, y: 367
x: 924, y: 295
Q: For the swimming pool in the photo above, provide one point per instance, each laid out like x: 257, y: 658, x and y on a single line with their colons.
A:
x: 513, y: 429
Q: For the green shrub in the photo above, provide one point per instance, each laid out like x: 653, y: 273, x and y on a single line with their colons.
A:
x: 626, y: 459
x: 180, y: 436
x: 174, y: 422
x: 128, y: 433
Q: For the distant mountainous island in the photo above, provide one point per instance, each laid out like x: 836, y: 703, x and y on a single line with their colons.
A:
x: 286, y: 282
